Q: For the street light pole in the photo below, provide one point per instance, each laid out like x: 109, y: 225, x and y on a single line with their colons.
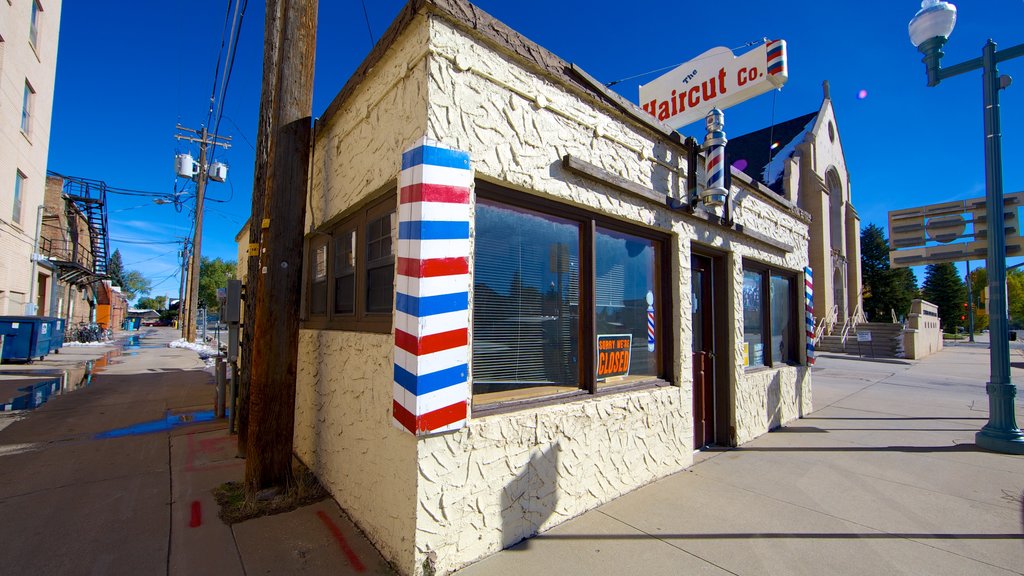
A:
x: 929, y: 30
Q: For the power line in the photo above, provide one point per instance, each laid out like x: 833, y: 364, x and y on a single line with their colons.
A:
x: 144, y: 241
x: 614, y: 82
x: 366, y: 16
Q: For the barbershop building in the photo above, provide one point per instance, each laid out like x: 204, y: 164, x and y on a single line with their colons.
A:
x: 512, y: 312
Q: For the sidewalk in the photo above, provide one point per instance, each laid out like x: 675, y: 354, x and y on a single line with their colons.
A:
x: 883, y: 478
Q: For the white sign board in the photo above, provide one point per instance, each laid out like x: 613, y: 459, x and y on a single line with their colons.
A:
x: 863, y: 336
x: 715, y: 79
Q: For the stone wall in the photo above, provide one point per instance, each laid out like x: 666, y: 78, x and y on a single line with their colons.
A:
x: 343, y: 427
x: 506, y: 477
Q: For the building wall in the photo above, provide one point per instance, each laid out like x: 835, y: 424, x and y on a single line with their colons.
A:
x: 505, y: 477
x: 819, y: 154
x: 26, y: 153
x: 343, y: 428
x: 923, y: 336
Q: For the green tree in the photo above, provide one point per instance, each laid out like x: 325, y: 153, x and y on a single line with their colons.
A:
x: 885, y: 289
x: 944, y: 287
x: 147, y: 303
x: 213, y: 274
x: 132, y: 282
x: 1015, y: 297
x: 115, y: 268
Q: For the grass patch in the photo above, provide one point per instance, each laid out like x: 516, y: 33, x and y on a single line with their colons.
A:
x: 235, y: 507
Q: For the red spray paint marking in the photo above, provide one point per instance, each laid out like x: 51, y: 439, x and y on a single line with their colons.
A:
x: 357, y: 564
x: 197, y: 515
x: 211, y: 448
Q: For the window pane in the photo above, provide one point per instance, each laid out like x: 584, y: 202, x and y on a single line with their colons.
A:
x: 26, y: 109
x: 19, y: 181
x: 33, y: 31
x: 753, y: 318
x: 344, y: 252
x: 318, y: 298
x: 525, y: 304
x: 782, y: 324
x: 345, y: 294
x: 380, y: 268
x: 344, y: 271
x: 320, y: 263
x: 625, y: 290
x: 380, y: 287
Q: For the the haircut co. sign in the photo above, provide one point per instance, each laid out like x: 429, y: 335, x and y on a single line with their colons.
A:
x: 715, y: 79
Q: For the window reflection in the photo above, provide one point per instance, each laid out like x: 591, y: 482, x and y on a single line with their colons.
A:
x: 625, y: 281
x: 525, y: 304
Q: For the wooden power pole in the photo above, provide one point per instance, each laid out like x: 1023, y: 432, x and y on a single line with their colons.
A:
x: 290, y: 37
x: 204, y: 139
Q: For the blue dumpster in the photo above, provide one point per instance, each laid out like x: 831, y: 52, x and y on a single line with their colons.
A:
x: 25, y: 337
x: 57, y: 326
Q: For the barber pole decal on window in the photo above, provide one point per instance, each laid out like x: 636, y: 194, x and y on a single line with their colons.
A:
x: 650, y: 321
x: 431, y: 389
x: 809, y: 313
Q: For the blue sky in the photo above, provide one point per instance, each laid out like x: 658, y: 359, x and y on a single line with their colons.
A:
x: 125, y: 77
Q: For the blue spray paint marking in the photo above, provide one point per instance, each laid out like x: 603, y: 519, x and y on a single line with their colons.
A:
x: 168, y: 422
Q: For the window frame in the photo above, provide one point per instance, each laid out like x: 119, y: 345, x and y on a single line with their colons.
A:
x: 589, y: 221
x: 33, y: 25
x: 358, y: 219
x: 765, y: 273
x: 27, y: 105
x: 18, y: 197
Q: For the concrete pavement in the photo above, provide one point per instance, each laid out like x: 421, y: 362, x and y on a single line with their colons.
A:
x: 882, y: 478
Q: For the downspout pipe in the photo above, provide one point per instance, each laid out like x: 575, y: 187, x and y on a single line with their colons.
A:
x: 30, y: 306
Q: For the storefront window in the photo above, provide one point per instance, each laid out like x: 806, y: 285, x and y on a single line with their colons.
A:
x: 769, y: 327
x: 562, y: 305
x: 782, y: 326
x: 525, y: 304
x: 625, y: 287
x: 753, y: 319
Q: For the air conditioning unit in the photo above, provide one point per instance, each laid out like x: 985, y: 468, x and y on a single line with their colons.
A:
x: 185, y: 166
x: 218, y: 172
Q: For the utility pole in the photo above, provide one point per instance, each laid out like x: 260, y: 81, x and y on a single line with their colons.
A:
x: 271, y: 64
x: 290, y: 40
x: 183, y: 286
x: 204, y: 139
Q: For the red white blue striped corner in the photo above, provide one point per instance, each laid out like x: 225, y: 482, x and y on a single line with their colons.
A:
x: 431, y: 373
x: 777, y: 58
x: 809, y: 313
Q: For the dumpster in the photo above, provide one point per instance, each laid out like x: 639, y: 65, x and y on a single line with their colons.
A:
x: 57, y: 326
x: 25, y: 337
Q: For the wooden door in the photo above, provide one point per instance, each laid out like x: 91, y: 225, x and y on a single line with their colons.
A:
x: 703, y: 352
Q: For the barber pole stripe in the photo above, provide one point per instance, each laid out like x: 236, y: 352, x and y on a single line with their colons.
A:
x: 809, y: 313
x: 713, y: 167
x: 650, y: 328
x: 431, y: 370
x: 776, y: 57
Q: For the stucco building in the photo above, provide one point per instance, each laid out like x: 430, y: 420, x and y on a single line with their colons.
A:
x: 28, y: 61
x: 504, y: 323
x: 803, y: 160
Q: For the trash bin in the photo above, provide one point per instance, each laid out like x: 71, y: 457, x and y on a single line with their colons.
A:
x: 26, y: 337
x: 57, y: 326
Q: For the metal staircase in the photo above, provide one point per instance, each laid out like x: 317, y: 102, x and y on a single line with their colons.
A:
x: 90, y: 197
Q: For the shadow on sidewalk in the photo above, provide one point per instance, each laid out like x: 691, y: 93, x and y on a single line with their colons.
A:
x: 787, y: 536
x: 908, y: 449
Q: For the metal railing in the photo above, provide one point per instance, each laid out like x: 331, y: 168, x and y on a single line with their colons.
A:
x: 852, y: 321
x: 826, y: 324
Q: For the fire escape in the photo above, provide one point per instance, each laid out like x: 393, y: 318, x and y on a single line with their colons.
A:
x: 86, y: 210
